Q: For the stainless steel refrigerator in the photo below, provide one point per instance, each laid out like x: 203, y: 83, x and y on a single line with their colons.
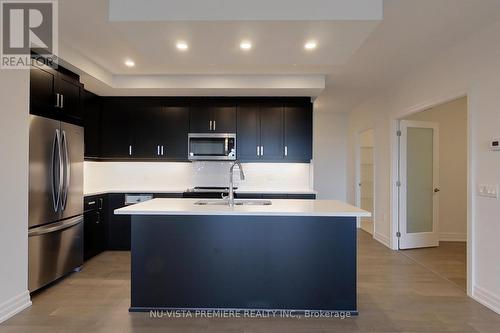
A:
x: 55, y: 235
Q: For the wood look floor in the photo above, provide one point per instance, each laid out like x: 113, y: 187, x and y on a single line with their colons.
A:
x: 449, y: 260
x: 395, y: 294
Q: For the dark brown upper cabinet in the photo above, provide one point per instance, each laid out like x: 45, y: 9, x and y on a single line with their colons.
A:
x: 212, y: 117
x: 274, y: 130
x: 298, y: 132
x: 56, y: 94
x: 92, y: 124
x: 260, y: 131
x: 156, y: 128
x: 144, y: 128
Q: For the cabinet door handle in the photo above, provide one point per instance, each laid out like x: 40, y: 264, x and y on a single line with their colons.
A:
x: 261, y: 150
x: 286, y: 150
x: 210, y: 125
x: 158, y: 150
x: 214, y: 124
x: 258, y: 151
x: 161, y: 150
x: 130, y: 150
x: 62, y: 101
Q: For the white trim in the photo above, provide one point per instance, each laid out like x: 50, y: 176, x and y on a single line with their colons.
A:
x: 394, y: 193
x: 357, y: 170
x: 452, y: 237
x: 471, y: 205
x: 470, y: 181
x: 14, y: 305
x: 486, y: 298
x: 382, y: 239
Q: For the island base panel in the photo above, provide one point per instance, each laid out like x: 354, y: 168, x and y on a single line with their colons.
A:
x: 243, y: 262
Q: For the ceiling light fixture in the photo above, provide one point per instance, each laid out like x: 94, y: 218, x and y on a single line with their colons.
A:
x: 129, y: 63
x: 245, y: 45
x: 182, y: 46
x: 311, y: 45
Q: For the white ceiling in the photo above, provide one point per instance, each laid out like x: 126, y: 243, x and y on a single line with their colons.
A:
x: 356, y: 56
x: 237, y: 10
x: 412, y: 32
x: 213, y: 45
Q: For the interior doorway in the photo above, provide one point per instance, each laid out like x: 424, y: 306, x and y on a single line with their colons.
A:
x: 365, y: 178
x: 433, y: 181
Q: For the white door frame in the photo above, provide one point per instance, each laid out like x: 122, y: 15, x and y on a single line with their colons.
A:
x: 421, y: 239
x: 394, y: 177
x: 358, y: 176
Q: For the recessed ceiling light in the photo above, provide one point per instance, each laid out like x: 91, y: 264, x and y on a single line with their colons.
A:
x: 129, y: 63
x: 311, y: 45
x: 245, y: 45
x: 182, y: 46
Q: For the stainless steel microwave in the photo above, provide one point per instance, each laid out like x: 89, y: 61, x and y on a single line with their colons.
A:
x: 212, y: 146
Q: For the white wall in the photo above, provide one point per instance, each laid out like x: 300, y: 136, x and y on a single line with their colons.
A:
x: 452, y: 120
x: 472, y: 68
x: 168, y: 176
x: 372, y: 118
x: 329, y: 150
x: 14, y: 90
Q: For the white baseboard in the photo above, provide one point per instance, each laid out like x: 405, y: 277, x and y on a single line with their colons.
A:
x: 14, y: 305
x: 486, y: 298
x: 382, y: 239
x: 452, y: 237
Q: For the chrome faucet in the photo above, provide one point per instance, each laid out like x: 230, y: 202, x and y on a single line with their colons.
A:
x: 231, y: 186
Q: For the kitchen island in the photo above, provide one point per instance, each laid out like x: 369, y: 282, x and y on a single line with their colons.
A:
x: 279, y: 255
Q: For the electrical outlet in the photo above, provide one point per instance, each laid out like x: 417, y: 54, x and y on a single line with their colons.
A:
x: 488, y: 191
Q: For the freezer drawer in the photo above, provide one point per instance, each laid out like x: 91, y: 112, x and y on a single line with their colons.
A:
x: 54, y: 250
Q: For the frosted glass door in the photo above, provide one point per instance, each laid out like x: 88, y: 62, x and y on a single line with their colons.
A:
x: 419, y: 189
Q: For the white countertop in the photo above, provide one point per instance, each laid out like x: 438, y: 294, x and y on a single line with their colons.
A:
x: 279, y: 207
x: 184, y: 189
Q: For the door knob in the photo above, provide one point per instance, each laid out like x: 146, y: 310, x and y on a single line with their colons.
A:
x: 436, y: 190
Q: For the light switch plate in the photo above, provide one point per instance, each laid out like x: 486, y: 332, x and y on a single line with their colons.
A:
x: 495, y: 145
x: 488, y: 191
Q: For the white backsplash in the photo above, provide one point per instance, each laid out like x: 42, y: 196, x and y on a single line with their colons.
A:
x: 165, y: 176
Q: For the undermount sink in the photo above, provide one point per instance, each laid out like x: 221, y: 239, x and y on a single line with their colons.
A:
x: 236, y: 202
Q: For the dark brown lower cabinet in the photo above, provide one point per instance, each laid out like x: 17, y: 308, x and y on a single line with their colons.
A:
x: 94, y: 226
x: 103, y: 230
x: 118, y: 225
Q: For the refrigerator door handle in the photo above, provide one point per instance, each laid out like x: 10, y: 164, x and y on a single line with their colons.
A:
x: 67, y: 171
x: 55, y: 173
x: 61, y: 169
x: 55, y: 226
